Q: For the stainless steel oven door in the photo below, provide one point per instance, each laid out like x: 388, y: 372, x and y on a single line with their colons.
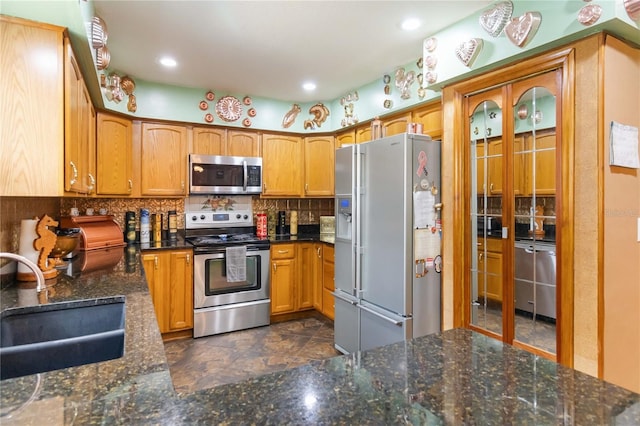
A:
x: 210, y: 282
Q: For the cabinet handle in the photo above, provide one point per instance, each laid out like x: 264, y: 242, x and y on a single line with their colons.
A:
x: 92, y: 183
x: 318, y: 249
x: 283, y: 251
x: 74, y: 179
x: 130, y: 185
x: 264, y: 186
x: 274, y: 267
x: 155, y: 261
x: 182, y: 185
x: 480, y: 256
x: 491, y: 189
x: 306, y: 188
x: 188, y: 259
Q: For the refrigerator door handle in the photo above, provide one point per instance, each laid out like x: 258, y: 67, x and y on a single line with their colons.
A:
x: 357, y: 226
x: 371, y: 311
x: 339, y: 296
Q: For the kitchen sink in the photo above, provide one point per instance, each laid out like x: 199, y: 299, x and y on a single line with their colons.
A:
x: 37, y: 339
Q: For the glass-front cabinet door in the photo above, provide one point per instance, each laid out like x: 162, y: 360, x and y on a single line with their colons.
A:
x: 535, y: 268
x: 486, y: 159
x: 512, y: 157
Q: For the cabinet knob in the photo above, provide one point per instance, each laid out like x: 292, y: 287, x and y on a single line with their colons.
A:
x: 74, y: 179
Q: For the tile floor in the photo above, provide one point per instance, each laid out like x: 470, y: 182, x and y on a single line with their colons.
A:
x: 210, y: 361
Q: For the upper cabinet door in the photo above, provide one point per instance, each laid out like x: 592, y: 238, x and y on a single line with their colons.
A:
x: 79, y: 138
x: 282, y: 165
x: 243, y: 144
x: 319, y: 165
x: 396, y: 125
x: 163, y: 160
x: 209, y: 141
x: 346, y: 138
x: 430, y: 116
x: 115, y: 155
x: 32, y: 130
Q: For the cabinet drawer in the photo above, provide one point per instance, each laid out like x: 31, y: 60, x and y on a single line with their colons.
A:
x: 328, y: 253
x: 283, y: 251
x: 493, y: 244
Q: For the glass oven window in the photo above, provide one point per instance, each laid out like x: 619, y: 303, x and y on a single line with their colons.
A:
x: 216, y: 277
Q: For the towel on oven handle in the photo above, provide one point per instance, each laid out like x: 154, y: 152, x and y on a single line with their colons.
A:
x: 236, y: 260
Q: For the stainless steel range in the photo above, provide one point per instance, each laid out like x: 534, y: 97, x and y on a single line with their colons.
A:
x: 225, y: 301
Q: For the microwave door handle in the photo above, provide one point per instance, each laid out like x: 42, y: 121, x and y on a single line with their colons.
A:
x: 244, y: 170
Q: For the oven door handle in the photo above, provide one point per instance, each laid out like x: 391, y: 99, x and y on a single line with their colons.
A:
x: 245, y: 175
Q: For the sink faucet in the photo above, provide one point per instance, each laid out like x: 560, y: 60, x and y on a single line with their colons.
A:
x: 40, y: 285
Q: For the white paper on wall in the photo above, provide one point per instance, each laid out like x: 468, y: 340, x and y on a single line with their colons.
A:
x: 623, y: 143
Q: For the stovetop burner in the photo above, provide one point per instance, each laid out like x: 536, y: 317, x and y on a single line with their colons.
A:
x: 217, y: 238
x: 222, y: 239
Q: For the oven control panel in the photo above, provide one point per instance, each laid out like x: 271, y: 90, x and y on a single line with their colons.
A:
x: 208, y: 219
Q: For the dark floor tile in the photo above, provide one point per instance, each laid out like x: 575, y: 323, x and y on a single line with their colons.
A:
x: 211, y: 361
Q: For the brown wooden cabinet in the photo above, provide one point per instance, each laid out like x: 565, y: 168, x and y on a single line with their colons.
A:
x: 80, y: 131
x: 345, y: 138
x: 494, y: 164
x: 243, y: 144
x: 430, y: 116
x: 163, y: 160
x: 545, y: 164
x: 310, y: 255
x: 114, y: 155
x: 363, y: 133
x: 170, y: 278
x: 283, y: 278
x: 282, y: 173
x: 32, y: 112
x: 209, y: 141
x: 328, y: 280
x: 396, y: 124
x: 319, y: 165
x: 491, y: 263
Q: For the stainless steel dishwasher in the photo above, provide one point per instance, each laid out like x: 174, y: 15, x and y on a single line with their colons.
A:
x: 535, y: 278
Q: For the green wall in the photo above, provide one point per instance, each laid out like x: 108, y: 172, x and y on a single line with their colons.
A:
x: 558, y: 26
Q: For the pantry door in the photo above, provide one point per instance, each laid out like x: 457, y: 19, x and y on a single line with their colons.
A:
x: 511, y: 282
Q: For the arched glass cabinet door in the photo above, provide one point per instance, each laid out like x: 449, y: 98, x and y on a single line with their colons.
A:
x: 534, y: 168
x: 484, y: 132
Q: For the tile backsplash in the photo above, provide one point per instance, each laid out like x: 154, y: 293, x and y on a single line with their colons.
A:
x: 14, y: 209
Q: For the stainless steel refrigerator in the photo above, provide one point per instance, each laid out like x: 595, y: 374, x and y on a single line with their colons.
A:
x: 388, y: 241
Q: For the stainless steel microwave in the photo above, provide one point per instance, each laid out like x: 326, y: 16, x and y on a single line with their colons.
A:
x: 219, y: 174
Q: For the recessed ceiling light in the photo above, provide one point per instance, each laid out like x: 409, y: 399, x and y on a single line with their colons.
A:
x: 168, y: 62
x: 309, y: 86
x: 410, y: 24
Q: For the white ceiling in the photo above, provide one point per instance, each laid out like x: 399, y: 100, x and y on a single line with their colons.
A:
x: 269, y: 48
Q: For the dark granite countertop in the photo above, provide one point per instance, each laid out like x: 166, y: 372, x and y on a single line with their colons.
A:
x: 456, y: 377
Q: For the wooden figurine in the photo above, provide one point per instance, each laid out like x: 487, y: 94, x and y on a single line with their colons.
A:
x: 45, y: 242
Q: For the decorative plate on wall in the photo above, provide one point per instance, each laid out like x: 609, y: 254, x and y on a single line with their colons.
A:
x: 229, y: 108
